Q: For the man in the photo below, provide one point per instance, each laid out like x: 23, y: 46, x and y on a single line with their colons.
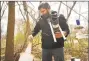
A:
x: 49, y: 47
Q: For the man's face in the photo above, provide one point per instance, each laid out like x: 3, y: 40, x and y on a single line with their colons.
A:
x: 44, y: 11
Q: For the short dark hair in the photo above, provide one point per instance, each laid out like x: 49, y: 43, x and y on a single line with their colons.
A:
x: 44, y: 5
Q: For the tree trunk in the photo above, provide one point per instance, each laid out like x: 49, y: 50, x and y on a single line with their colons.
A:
x: 9, y: 53
x: 0, y: 30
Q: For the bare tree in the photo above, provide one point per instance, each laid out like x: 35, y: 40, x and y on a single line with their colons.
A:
x: 27, y: 29
x: 9, y: 53
x: 71, y: 10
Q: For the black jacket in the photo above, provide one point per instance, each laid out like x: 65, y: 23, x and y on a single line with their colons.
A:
x: 47, y: 38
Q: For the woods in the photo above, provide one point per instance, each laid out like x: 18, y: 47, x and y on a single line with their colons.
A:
x: 19, y: 18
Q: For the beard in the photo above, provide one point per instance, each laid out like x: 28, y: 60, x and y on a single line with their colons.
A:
x: 45, y: 16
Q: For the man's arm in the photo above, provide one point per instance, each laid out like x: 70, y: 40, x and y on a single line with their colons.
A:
x: 36, y: 29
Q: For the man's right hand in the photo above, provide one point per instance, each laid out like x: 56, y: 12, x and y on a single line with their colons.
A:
x: 59, y: 35
x: 30, y: 37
